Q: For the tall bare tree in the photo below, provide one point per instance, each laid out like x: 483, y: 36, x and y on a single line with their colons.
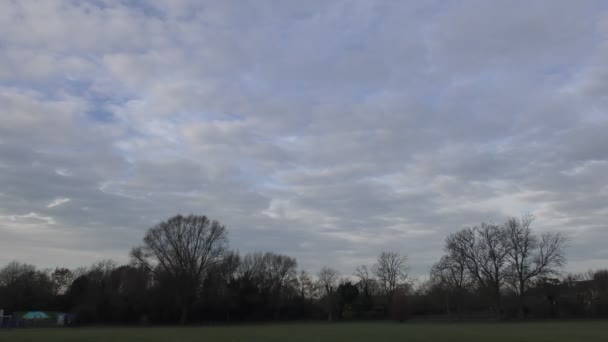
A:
x: 451, y: 275
x: 391, y: 271
x: 252, y: 267
x: 183, y: 247
x: 280, y: 271
x: 367, y: 284
x: 306, y: 286
x: 62, y: 278
x: 484, y: 250
x: 451, y: 271
x: 328, y: 278
x: 531, y: 257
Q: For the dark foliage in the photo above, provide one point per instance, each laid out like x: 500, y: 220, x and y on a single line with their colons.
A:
x: 475, y: 277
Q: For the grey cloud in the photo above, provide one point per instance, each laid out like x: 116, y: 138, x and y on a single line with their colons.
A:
x: 326, y: 130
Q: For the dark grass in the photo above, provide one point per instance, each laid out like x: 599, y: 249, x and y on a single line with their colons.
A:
x: 351, y: 332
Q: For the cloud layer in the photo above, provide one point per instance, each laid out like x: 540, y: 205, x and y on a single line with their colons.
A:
x: 329, y: 130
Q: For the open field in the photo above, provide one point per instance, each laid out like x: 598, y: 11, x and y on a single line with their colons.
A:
x: 376, y: 332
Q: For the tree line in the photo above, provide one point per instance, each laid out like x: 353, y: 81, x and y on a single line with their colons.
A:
x: 184, y: 272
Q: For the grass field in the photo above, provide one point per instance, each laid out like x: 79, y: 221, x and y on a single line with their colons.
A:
x: 363, y: 332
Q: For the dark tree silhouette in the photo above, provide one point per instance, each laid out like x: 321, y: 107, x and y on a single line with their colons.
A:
x: 328, y: 278
x: 484, y: 250
x: 531, y: 257
x: 183, y: 271
x: 184, y: 247
x: 346, y: 294
x: 391, y: 272
x: 451, y: 275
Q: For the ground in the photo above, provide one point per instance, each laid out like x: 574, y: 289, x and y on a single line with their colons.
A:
x: 352, y: 332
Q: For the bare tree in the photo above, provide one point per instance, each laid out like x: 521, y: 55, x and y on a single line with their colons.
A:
x: 252, y: 267
x: 229, y: 265
x: 306, y: 286
x: 531, y: 257
x: 484, y: 250
x: 391, y: 271
x: 280, y: 270
x: 367, y: 284
x: 11, y: 272
x: 328, y: 277
x: 23, y: 286
x: 62, y: 279
x: 451, y: 275
x: 183, y: 247
x: 451, y: 271
x: 268, y: 270
x: 600, y: 280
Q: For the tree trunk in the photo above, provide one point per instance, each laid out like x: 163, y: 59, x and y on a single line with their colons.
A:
x: 184, y: 314
x: 522, y: 306
x: 498, y: 302
x: 330, y: 308
x: 330, y: 303
x: 458, y: 300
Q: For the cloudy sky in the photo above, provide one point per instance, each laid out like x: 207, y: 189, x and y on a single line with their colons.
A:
x: 328, y: 130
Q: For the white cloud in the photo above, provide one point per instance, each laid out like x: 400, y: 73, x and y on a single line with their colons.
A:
x: 64, y: 172
x: 328, y: 130
x: 30, y: 218
x: 57, y: 202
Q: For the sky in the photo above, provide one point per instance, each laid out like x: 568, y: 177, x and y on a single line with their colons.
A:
x: 326, y: 130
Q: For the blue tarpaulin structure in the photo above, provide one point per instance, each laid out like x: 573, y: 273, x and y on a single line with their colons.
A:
x: 35, y: 315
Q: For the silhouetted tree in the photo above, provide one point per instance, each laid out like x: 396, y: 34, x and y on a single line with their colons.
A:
x: 279, y: 272
x: 183, y: 247
x: 367, y: 287
x: 327, y: 282
x: 485, y: 250
x: 62, y: 278
x: 22, y: 286
x: 93, y: 293
x: 531, y: 257
x: 346, y: 294
x: 451, y: 276
x: 306, y: 286
x: 183, y: 271
x: 391, y: 273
